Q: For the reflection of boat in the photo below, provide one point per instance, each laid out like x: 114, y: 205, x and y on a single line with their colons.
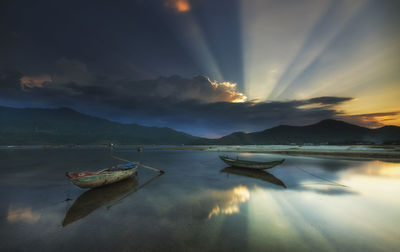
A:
x: 263, y: 175
x: 93, y: 199
x: 103, y: 177
x: 250, y: 164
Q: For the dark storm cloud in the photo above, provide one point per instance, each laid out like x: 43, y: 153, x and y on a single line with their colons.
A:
x: 174, y: 88
x: 196, y: 105
x: 329, y: 100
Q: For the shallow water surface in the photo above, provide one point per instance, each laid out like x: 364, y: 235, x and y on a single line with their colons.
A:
x: 322, y: 204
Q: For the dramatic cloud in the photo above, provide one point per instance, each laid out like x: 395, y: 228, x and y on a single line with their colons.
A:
x: 324, y: 101
x: 214, y: 108
x: 34, y: 81
x: 195, y: 105
x: 329, y: 100
x: 174, y: 88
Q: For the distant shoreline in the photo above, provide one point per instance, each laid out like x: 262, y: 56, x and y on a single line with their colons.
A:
x: 333, y: 153
x: 369, y: 152
x: 349, y: 151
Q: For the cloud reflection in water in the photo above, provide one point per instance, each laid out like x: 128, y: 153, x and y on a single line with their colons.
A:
x: 22, y: 214
x: 228, y: 201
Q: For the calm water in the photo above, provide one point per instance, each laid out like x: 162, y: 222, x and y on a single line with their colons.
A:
x: 305, y: 204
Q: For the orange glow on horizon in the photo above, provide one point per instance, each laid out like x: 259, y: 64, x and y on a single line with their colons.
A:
x: 375, y: 120
x: 373, y: 107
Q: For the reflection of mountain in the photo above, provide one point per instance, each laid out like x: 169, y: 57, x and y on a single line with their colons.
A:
x: 262, y: 175
x: 93, y: 199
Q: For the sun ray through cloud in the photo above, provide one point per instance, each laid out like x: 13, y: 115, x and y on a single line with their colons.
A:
x: 331, y: 22
x: 191, y: 36
x: 269, y: 48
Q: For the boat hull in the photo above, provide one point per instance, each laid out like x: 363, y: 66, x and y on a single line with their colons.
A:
x: 250, y: 164
x: 96, y: 198
x: 102, y: 178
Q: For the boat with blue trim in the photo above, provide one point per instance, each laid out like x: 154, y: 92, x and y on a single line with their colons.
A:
x: 103, y: 177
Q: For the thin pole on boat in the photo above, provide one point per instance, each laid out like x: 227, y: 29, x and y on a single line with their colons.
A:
x: 142, y: 165
x: 151, y: 168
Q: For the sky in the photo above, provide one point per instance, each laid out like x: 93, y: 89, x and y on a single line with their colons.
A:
x: 205, y: 67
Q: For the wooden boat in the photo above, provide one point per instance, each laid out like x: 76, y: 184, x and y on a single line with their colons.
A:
x: 104, y: 177
x: 253, y: 173
x: 96, y: 198
x: 250, y: 164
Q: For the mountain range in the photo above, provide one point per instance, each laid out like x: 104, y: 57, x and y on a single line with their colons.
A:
x: 327, y: 131
x: 65, y: 126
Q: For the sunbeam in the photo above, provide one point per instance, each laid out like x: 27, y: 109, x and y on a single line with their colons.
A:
x: 331, y: 22
x: 192, y: 38
x: 272, y: 36
x: 340, y: 48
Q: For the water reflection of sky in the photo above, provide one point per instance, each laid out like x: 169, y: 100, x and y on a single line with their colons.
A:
x: 24, y: 214
x: 228, y: 202
x: 194, y: 202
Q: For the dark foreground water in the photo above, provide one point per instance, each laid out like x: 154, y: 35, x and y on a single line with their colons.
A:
x: 302, y: 204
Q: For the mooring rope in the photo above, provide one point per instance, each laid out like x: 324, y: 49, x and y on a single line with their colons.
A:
x: 322, y: 178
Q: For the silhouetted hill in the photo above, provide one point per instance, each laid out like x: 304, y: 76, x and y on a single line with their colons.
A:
x: 325, y: 132
x: 66, y: 126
